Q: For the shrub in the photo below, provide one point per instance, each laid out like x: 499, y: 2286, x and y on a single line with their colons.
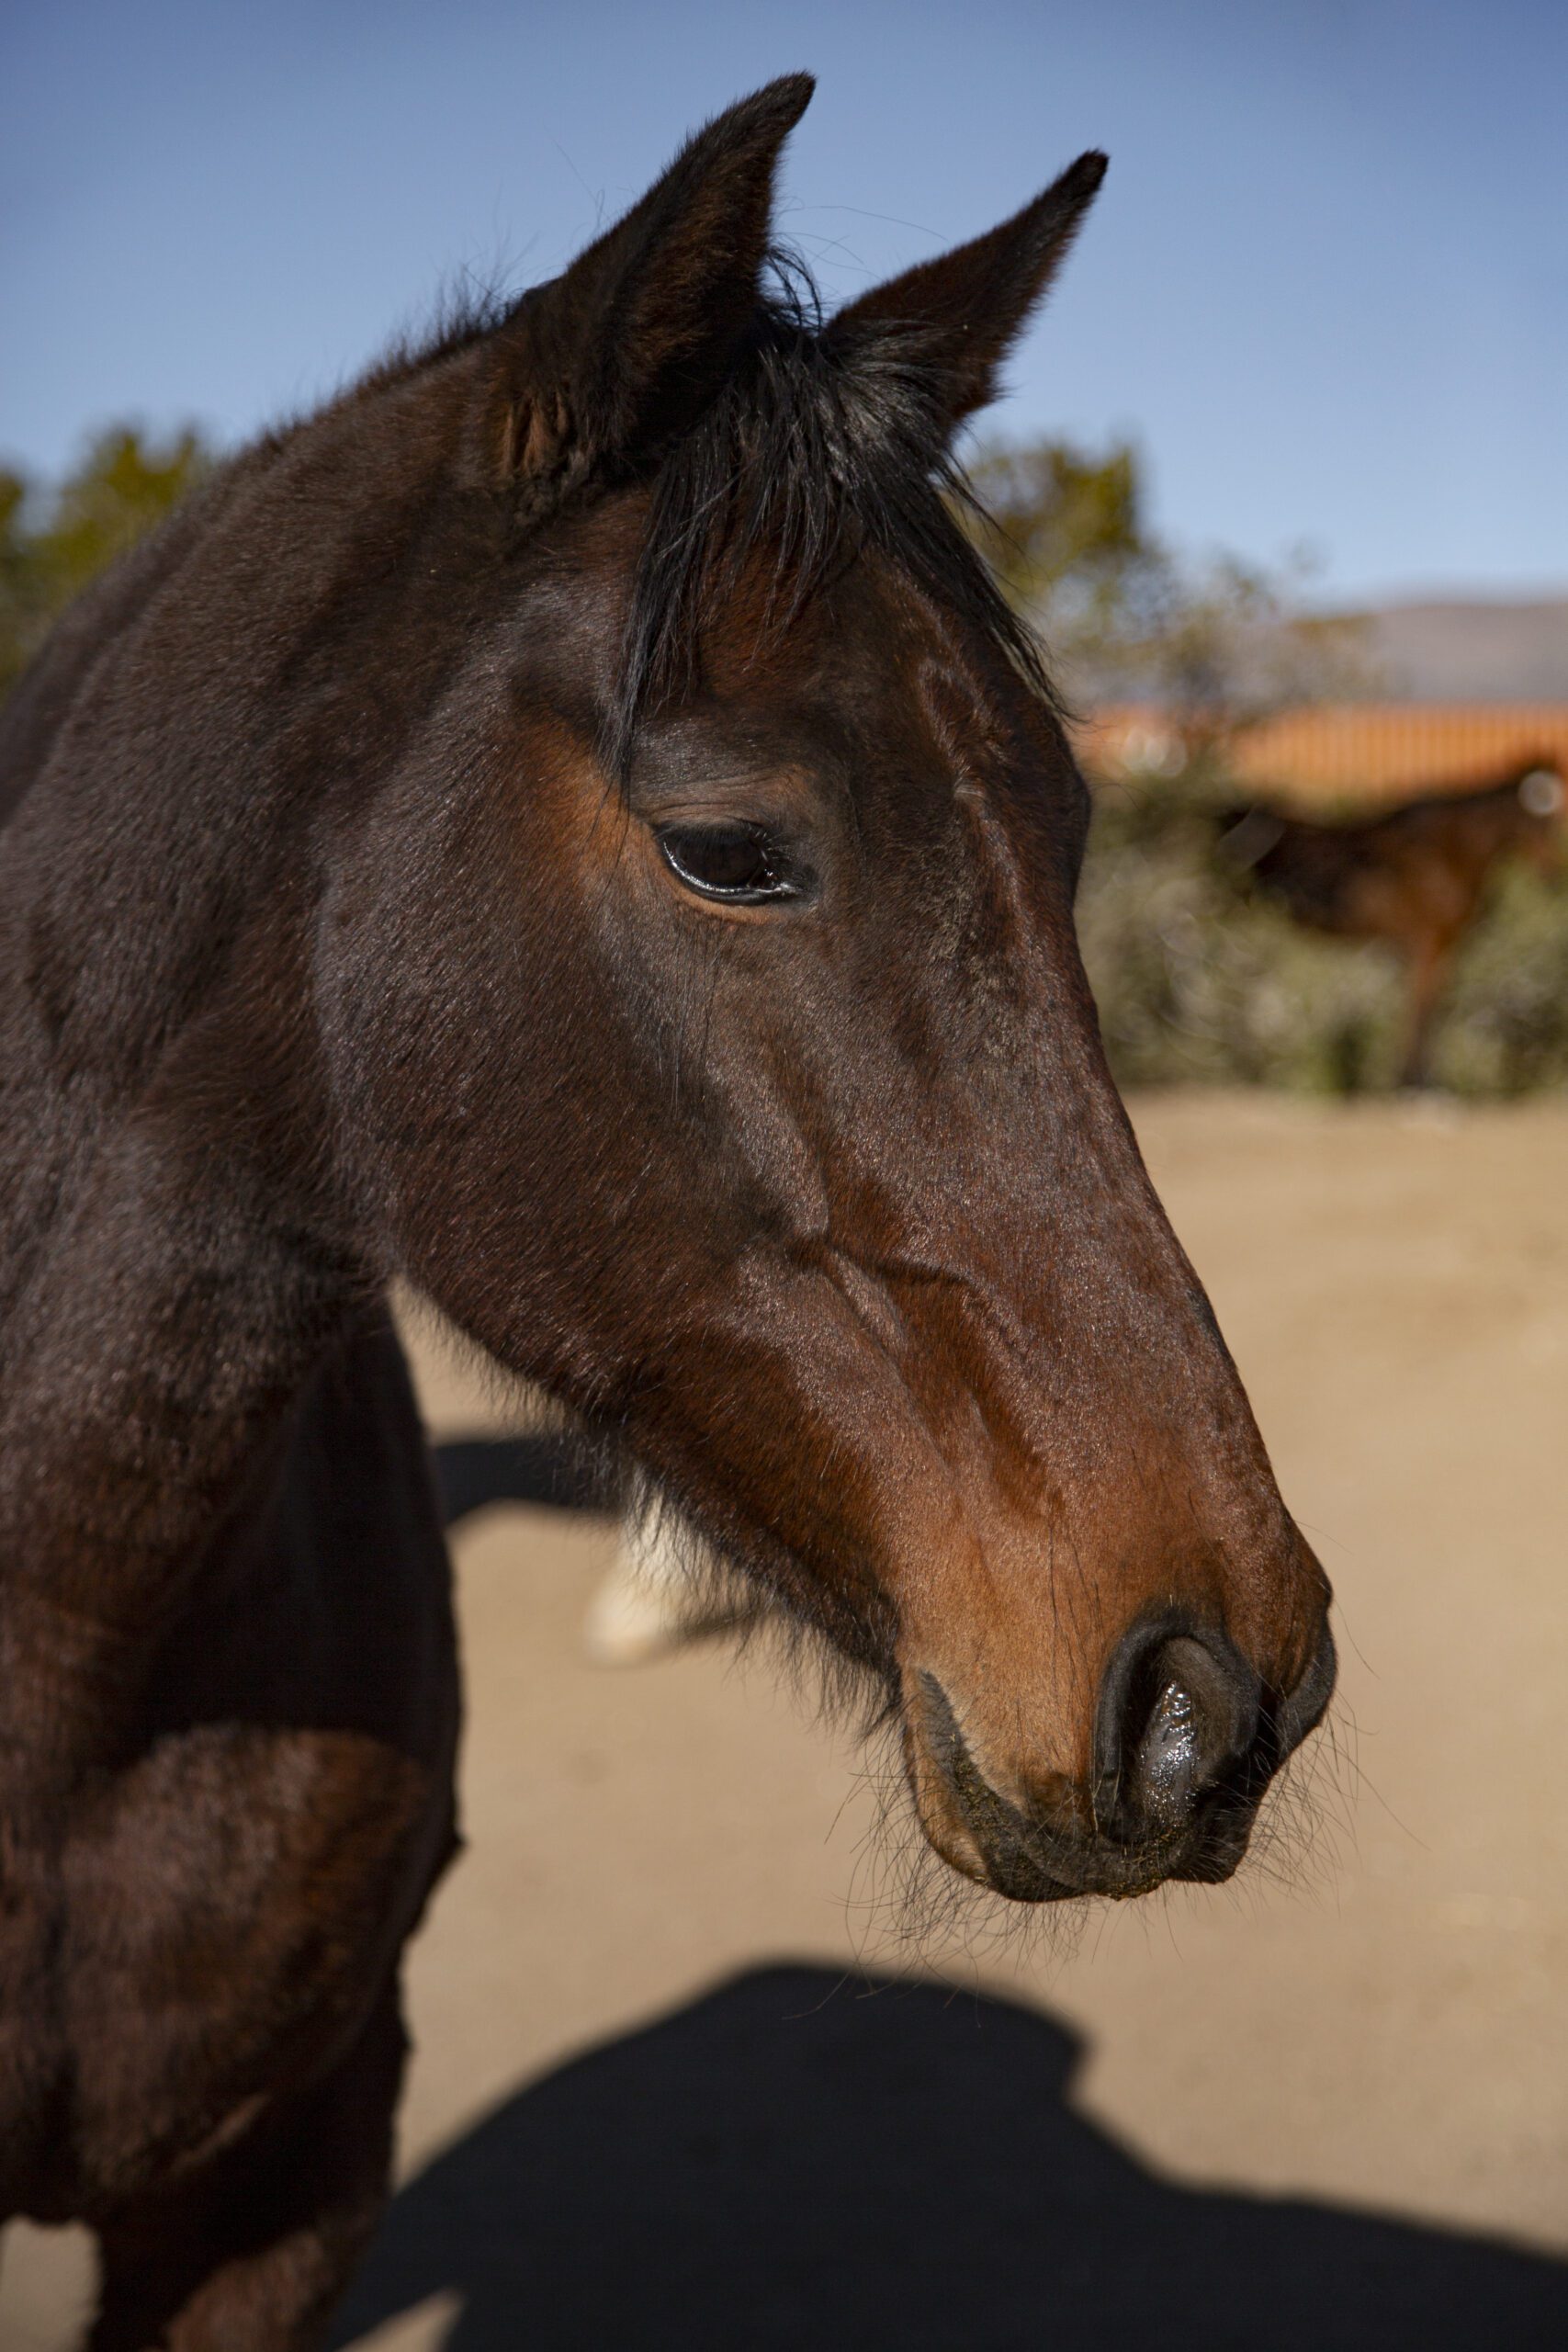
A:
x: 1198, y: 982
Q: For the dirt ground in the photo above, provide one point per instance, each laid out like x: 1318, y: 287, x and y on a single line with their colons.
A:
x: 668, y: 2119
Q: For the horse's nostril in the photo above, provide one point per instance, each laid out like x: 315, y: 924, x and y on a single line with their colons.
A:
x: 1178, y: 1714
x: 1167, y: 1761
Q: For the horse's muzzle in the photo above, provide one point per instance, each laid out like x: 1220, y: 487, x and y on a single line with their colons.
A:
x: 1187, y: 1738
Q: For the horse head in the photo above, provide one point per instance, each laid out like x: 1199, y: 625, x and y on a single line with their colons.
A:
x: 703, y: 1006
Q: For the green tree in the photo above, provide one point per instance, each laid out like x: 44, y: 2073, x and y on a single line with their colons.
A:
x: 1218, y: 644
x: 1066, y: 532
x: 1057, y: 521
x: 52, y: 545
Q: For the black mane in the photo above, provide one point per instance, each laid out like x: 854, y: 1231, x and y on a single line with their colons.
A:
x: 806, y: 459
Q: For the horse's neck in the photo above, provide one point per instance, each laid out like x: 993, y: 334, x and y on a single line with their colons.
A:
x: 164, y: 1295
x: 1497, y: 825
x: 173, y: 1261
x: 151, y: 840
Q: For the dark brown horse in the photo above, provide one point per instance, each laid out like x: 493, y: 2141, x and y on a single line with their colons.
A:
x: 574, y: 825
x: 1413, y: 878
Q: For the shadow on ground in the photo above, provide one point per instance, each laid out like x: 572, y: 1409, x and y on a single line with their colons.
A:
x: 544, y: 1467
x: 816, y: 2164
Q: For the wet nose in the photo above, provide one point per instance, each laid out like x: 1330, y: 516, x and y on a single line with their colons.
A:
x: 1186, y: 1739
x: 1179, y: 1720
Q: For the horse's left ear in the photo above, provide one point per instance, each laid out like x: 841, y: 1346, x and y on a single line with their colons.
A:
x: 958, y: 316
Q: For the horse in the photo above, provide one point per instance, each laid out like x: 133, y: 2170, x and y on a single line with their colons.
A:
x: 573, y: 826
x: 1414, y: 878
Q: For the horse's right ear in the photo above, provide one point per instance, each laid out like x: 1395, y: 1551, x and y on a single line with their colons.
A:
x: 620, y: 353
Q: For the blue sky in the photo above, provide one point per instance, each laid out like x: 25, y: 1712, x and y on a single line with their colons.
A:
x: 1325, y: 286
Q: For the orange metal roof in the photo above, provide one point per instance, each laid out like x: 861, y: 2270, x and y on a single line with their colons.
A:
x: 1363, y: 751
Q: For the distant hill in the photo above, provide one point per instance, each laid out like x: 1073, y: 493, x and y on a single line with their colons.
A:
x: 1469, y: 651
x: 1446, y: 650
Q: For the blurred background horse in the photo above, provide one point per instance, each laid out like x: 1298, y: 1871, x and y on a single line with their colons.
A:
x: 1414, y: 878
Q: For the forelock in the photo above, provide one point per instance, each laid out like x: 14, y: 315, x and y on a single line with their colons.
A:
x: 804, y: 460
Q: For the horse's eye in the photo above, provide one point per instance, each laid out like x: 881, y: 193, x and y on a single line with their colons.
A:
x: 737, y: 863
